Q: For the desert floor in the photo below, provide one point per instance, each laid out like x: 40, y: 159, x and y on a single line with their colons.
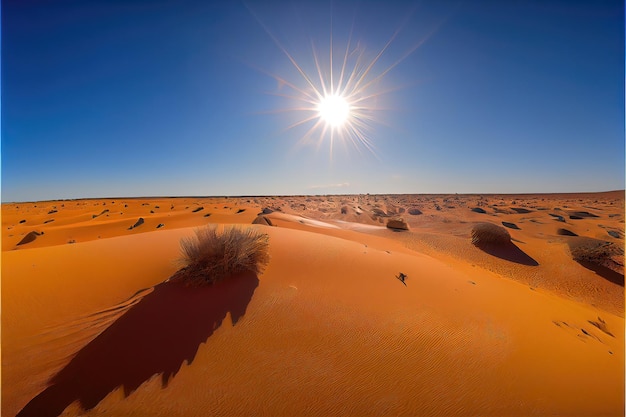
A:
x: 92, y: 326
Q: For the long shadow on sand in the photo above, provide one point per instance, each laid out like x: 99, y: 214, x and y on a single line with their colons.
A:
x: 509, y: 252
x: 155, y: 336
x: 604, y: 272
x: 602, y: 257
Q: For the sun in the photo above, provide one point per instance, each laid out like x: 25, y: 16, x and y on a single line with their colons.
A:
x: 334, y: 110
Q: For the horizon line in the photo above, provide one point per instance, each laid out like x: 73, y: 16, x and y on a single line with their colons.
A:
x: 316, y: 195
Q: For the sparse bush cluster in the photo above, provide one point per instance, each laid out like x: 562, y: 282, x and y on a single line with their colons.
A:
x: 212, y: 255
x: 489, y: 234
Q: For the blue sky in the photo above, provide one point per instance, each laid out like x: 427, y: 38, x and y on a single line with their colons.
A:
x: 167, y: 98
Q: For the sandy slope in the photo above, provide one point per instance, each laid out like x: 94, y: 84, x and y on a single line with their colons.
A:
x: 327, y: 329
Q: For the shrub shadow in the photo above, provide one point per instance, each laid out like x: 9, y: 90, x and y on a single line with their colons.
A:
x: 154, y: 337
x: 604, y: 272
x: 509, y: 252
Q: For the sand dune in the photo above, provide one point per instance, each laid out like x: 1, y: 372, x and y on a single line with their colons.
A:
x: 92, y: 326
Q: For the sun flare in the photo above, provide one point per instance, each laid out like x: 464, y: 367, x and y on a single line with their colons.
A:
x: 334, y: 110
x: 338, y: 94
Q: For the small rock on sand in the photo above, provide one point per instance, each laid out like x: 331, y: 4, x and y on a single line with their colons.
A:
x: 478, y: 210
x: 415, y: 211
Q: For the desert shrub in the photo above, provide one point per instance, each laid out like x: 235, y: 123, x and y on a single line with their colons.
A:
x: 212, y: 255
x: 589, y: 252
x: 397, y: 223
x: 489, y: 234
x: 260, y: 219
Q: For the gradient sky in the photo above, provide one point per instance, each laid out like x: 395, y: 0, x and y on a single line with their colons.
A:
x: 169, y: 98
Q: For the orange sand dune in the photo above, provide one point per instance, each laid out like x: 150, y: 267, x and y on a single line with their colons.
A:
x: 92, y: 327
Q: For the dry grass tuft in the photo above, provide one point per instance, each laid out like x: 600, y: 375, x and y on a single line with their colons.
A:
x: 212, y: 255
x: 489, y: 234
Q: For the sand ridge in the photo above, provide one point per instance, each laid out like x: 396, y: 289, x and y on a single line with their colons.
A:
x: 328, y: 327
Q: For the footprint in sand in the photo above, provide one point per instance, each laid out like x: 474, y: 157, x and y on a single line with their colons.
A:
x: 581, y: 333
x: 601, y: 325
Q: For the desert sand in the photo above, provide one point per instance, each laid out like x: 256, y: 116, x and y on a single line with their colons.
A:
x: 530, y: 326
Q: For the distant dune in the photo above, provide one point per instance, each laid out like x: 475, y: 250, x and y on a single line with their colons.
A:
x: 430, y: 305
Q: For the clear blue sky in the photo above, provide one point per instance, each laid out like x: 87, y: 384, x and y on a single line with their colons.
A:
x: 147, y: 98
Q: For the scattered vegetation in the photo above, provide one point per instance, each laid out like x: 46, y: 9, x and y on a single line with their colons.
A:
x: 212, y: 255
